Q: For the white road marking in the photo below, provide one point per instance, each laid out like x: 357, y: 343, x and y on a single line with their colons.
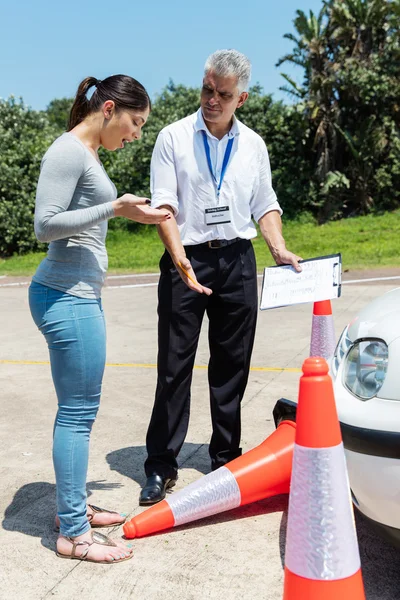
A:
x: 138, y: 285
x: 134, y: 275
x: 14, y: 284
x: 372, y: 279
x: 133, y: 285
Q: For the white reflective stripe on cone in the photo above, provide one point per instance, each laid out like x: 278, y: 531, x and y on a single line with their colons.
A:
x: 323, y: 336
x: 214, y: 493
x: 321, y: 541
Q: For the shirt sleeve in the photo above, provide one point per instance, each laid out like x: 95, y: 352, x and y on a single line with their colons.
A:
x: 264, y: 198
x: 163, y: 180
x: 61, y: 169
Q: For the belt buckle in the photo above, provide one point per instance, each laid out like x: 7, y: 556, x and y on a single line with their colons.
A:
x: 214, y: 244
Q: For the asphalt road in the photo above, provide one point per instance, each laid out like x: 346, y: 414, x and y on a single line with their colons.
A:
x: 238, y: 555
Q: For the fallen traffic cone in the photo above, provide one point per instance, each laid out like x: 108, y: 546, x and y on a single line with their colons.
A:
x: 322, y: 560
x: 260, y: 473
x: 323, y: 341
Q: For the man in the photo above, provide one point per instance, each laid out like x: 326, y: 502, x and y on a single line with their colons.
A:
x: 213, y: 174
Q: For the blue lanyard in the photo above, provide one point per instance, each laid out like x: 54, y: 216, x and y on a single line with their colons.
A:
x: 224, y: 162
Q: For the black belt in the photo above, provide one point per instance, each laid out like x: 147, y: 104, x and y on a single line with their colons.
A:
x: 215, y: 244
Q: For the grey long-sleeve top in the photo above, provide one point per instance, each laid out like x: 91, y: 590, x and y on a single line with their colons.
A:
x: 73, y: 204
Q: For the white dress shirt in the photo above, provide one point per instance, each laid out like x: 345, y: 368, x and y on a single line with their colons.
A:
x: 181, y: 178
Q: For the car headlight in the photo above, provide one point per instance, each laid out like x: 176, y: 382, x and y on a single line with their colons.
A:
x: 365, y: 368
x: 342, y: 347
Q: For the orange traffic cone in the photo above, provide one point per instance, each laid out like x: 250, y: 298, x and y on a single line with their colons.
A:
x: 323, y: 342
x: 260, y: 473
x: 322, y: 560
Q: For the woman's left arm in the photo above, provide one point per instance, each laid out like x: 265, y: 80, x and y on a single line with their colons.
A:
x: 62, y: 167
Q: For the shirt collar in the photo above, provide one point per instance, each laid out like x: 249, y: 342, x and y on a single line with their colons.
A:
x: 200, y: 125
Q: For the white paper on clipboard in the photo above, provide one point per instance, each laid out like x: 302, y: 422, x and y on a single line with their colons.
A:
x: 320, y: 279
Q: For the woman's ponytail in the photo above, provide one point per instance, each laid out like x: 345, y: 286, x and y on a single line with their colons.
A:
x: 81, y: 106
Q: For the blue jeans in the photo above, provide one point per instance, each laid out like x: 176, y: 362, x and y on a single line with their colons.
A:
x: 75, y: 333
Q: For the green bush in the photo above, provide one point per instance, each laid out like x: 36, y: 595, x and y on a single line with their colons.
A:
x: 24, y: 137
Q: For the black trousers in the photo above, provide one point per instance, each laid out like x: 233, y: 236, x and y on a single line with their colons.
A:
x: 231, y: 273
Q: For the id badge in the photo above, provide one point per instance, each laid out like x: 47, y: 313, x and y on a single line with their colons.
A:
x: 218, y: 215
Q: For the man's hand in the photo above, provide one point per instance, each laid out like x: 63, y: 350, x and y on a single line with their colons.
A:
x: 187, y: 274
x: 285, y: 257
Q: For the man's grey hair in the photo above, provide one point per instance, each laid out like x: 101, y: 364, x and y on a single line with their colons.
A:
x: 225, y: 63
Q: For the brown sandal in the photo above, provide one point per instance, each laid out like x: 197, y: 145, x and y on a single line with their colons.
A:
x: 90, y: 516
x: 97, y: 538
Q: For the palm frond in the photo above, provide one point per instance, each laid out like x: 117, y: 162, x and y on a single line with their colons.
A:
x: 350, y: 142
x: 292, y: 58
x: 290, y: 91
x: 292, y: 38
x: 295, y: 89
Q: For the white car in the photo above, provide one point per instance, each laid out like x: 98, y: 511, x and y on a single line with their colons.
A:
x: 366, y: 376
x: 365, y: 371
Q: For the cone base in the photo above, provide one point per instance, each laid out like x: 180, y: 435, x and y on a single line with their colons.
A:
x: 300, y: 588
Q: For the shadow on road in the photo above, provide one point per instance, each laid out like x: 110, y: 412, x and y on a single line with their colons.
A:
x: 33, y: 508
x: 129, y: 461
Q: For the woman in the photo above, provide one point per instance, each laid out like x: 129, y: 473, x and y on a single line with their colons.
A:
x: 75, y: 198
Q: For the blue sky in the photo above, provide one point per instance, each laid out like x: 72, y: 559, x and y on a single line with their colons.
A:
x: 48, y: 47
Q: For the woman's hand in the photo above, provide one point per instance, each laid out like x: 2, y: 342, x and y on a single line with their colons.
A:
x: 137, y: 209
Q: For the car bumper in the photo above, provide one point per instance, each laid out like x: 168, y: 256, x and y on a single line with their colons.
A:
x: 385, y: 444
x: 390, y: 534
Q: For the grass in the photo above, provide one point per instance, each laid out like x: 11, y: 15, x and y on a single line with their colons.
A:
x: 365, y: 242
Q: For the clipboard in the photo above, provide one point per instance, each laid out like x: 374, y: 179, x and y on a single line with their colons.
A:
x: 320, y: 279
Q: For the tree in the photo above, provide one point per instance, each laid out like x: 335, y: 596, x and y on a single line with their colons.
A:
x: 58, y: 112
x: 351, y: 62
x: 285, y: 132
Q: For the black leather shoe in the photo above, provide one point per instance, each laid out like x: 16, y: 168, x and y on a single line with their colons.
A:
x: 155, y: 489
